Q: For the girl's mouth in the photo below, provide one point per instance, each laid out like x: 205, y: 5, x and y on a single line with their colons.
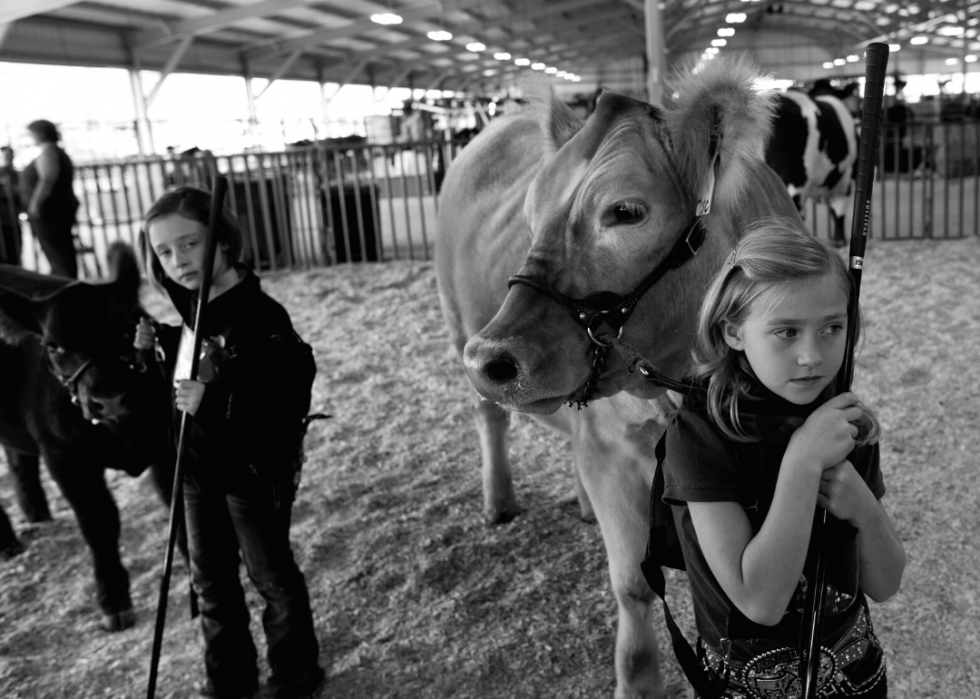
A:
x: 807, y: 380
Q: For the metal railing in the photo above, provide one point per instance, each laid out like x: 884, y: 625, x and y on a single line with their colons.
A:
x: 330, y: 203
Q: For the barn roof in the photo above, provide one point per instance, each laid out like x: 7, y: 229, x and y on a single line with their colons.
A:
x: 337, y: 41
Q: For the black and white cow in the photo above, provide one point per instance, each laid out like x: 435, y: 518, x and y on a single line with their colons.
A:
x: 813, y: 149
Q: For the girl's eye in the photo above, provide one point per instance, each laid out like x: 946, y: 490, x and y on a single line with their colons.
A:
x: 163, y: 253
x: 835, y: 328
x: 785, y: 333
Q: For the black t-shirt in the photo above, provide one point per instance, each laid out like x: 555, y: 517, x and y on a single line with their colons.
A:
x: 702, y: 465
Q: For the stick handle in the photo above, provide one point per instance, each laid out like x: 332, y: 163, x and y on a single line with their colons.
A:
x: 176, y: 501
x: 876, y: 65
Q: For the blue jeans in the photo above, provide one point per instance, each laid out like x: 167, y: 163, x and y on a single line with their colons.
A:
x: 255, y: 522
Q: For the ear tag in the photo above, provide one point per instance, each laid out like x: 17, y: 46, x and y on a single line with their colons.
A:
x: 703, y: 207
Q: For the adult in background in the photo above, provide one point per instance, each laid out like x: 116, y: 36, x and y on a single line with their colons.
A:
x: 10, y: 208
x: 51, y: 202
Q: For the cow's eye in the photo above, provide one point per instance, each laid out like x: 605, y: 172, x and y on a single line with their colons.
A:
x: 626, y: 212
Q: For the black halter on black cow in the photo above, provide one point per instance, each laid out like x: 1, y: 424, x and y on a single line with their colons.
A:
x: 813, y: 149
x: 73, y: 392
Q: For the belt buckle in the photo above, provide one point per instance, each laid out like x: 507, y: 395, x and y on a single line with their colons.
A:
x: 776, y: 674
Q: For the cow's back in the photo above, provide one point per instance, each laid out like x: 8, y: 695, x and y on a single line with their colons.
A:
x: 481, y: 233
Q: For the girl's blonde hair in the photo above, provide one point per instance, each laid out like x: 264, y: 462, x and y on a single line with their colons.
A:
x: 193, y: 203
x: 772, y: 253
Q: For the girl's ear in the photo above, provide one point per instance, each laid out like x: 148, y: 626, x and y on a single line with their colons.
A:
x: 733, y: 336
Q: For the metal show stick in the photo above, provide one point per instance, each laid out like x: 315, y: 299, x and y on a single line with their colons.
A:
x: 876, y: 64
x: 176, y: 501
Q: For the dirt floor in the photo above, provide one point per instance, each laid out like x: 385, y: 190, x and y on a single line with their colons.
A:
x: 415, y: 597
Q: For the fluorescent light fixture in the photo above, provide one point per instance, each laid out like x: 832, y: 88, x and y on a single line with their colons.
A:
x: 711, y: 51
x: 735, y: 17
x: 522, y: 61
x: 538, y: 66
x: 839, y: 62
x: 551, y: 70
x: 853, y: 59
x: 970, y: 58
x: 726, y: 31
x: 475, y: 46
x: 386, y: 18
x: 440, y: 35
x: 919, y: 40
x: 502, y: 56
x: 892, y: 48
x: 828, y: 64
x: 952, y: 61
x: 720, y: 42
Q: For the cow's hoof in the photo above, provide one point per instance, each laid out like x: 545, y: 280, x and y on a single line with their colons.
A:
x: 503, y: 516
x: 14, y: 548
x: 119, y: 621
x: 585, y: 511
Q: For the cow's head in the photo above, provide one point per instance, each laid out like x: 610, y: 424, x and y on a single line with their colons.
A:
x: 613, y: 197
x: 83, y: 331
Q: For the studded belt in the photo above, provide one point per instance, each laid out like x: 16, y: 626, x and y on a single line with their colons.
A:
x: 774, y: 674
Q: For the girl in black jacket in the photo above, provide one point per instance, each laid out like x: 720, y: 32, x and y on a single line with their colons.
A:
x: 244, y: 447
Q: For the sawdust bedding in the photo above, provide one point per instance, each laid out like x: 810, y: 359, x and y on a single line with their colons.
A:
x: 415, y: 597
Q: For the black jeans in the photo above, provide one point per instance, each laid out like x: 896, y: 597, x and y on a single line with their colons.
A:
x: 57, y: 242
x: 219, y: 526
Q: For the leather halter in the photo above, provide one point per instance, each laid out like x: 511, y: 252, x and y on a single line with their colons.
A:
x: 612, y: 309
x: 70, y: 381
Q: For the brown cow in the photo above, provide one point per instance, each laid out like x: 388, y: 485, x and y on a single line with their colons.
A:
x: 582, y: 208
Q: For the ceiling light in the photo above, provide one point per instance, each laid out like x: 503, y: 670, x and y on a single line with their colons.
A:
x: 852, y: 59
x: 475, y: 46
x: 551, y: 70
x: 952, y: 61
x: 440, y: 35
x: 919, y: 40
x: 522, y: 61
x: 726, y: 31
x: 538, y: 66
x: 828, y: 64
x: 839, y: 61
x: 970, y: 58
x: 894, y: 47
x: 718, y: 42
x: 502, y: 56
x: 950, y: 30
x: 735, y: 17
x: 386, y: 18
x: 712, y: 51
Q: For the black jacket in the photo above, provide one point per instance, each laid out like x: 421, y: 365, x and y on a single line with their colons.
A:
x: 250, y: 421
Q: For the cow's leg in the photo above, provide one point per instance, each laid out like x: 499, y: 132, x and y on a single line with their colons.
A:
x: 619, y: 487
x: 85, y: 489
x: 10, y: 545
x: 838, y: 207
x: 26, y: 469
x: 499, y: 501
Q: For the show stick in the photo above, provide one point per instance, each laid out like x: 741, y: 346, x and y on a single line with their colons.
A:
x: 176, y: 501
x: 876, y: 64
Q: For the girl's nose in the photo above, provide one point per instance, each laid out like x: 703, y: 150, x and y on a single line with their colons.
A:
x: 809, y: 354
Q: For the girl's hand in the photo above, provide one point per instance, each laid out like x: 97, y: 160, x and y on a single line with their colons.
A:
x: 844, y: 494
x: 145, y: 335
x: 827, y: 436
x: 188, y: 395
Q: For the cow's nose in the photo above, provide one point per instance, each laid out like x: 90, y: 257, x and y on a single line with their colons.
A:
x: 103, y: 408
x: 502, y: 369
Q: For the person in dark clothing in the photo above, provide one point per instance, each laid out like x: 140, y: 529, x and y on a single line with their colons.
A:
x: 47, y: 190
x: 244, y: 449
x: 10, y: 208
x: 744, y: 483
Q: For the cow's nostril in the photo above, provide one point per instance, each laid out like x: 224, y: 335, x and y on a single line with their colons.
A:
x: 502, y: 370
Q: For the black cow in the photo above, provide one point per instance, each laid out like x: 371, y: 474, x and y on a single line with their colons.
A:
x: 813, y: 149
x: 74, y: 392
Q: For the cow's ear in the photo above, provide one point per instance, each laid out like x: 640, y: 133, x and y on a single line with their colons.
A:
x: 720, y: 113
x: 19, y: 317
x: 125, y: 274
x: 558, y: 122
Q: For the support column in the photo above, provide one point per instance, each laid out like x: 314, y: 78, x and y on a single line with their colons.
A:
x: 144, y: 130
x: 655, y: 51
x: 253, y: 117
